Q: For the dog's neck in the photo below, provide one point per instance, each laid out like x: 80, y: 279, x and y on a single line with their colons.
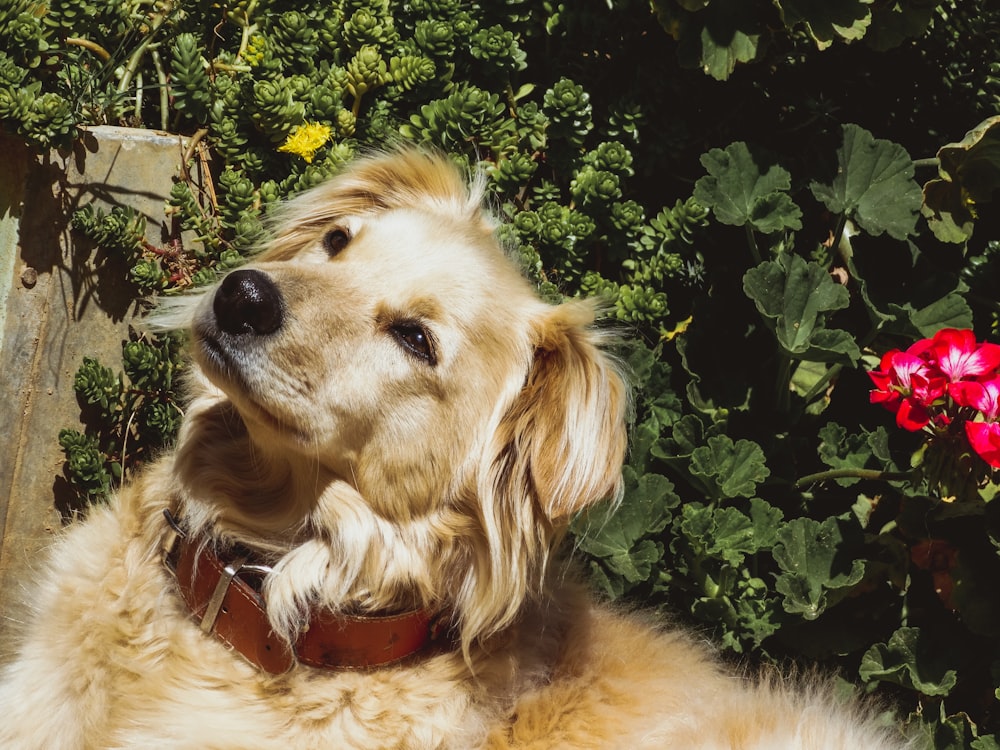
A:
x: 301, y: 517
x: 296, y: 518
x: 329, y: 546
x: 224, y: 594
x: 237, y: 489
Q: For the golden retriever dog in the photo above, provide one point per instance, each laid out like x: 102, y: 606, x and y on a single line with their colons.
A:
x: 353, y: 544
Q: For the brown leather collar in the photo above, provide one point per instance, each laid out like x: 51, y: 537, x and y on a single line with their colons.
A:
x: 224, y: 596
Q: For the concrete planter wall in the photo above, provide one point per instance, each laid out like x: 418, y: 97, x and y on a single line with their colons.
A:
x: 58, y: 303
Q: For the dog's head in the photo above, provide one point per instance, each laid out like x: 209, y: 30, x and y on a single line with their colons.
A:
x: 382, y: 386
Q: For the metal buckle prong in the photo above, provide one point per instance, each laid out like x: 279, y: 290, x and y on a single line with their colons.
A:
x: 214, y: 606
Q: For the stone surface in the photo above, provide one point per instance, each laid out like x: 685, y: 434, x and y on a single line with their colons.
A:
x: 60, y: 300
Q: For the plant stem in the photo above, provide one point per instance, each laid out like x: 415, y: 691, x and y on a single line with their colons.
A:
x: 192, y: 145
x: 821, y: 384
x: 161, y: 76
x: 248, y: 28
x: 871, y: 474
x: 135, y: 59
x: 92, y: 46
x: 139, y: 91
x: 752, y: 242
x: 838, y: 233
x: 783, y: 395
x: 233, y: 68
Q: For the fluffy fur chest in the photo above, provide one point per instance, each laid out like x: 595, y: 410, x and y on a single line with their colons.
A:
x: 113, y: 660
x: 138, y: 672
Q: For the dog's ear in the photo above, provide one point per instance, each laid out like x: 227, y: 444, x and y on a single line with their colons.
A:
x: 556, y: 447
x: 565, y: 433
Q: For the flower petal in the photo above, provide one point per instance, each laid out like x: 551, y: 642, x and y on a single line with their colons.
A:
x: 969, y: 393
x: 912, y: 415
x: 984, y: 437
x: 959, y: 356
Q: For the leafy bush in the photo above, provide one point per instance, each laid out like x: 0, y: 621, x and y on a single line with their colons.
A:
x: 736, y: 177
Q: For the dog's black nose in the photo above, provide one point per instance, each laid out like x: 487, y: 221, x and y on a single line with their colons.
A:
x: 247, y: 301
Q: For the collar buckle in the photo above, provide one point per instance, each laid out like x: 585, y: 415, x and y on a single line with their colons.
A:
x: 224, y: 597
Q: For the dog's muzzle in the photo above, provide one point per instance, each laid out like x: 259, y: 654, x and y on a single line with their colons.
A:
x: 248, y: 302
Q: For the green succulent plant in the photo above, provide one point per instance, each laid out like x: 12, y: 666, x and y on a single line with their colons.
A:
x: 570, y: 113
x: 192, y: 92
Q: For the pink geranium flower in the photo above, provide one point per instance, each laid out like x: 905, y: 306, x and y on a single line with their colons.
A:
x: 959, y: 357
x: 984, y: 436
x: 984, y: 396
x: 948, y: 381
x: 908, y: 385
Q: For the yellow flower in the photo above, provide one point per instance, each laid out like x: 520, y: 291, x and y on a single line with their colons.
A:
x: 254, y: 53
x: 306, y: 140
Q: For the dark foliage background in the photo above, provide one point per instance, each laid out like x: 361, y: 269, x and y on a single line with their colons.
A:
x: 769, y: 194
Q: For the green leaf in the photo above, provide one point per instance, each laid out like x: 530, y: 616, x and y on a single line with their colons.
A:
x: 832, y: 345
x: 618, y: 539
x: 614, y: 586
x: 767, y: 522
x: 739, y: 193
x: 909, y: 659
x: 716, y: 35
x: 697, y: 523
x: 894, y: 23
x: 719, y: 61
x: 970, y: 176
x: 794, y: 297
x: 838, y: 450
x: 951, y: 311
x: 711, y: 545
x: 729, y: 469
x: 949, y: 732
x: 675, y: 451
x: 638, y: 564
x: 735, y: 534
x: 806, y: 376
x: 815, y: 560
x: 687, y: 433
x: 733, y: 531
x: 828, y: 20
x: 874, y: 185
x: 758, y: 611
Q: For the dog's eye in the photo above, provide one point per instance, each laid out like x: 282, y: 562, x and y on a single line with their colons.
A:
x: 335, y: 241
x: 415, y: 339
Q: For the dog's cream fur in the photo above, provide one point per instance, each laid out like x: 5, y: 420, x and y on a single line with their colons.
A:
x: 379, y: 475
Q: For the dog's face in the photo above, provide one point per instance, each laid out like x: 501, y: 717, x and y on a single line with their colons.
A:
x: 420, y: 423
x: 380, y: 347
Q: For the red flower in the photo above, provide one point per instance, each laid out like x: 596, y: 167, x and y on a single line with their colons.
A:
x: 984, y: 437
x: 908, y: 385
x: 984, y: 396
x: 959, y: 357
x: 934, y: 380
